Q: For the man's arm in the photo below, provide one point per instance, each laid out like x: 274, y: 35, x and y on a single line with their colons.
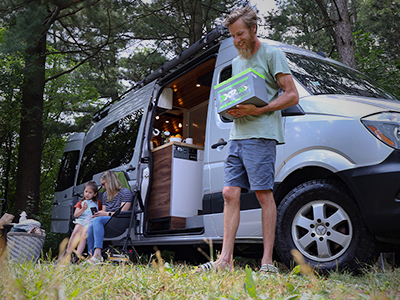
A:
x: 289, y: 97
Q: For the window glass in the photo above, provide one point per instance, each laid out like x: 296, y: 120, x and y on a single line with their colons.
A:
x: 322, y: 77
x: 225, y: 75
x: 66, y: 175
x: 114, y: 148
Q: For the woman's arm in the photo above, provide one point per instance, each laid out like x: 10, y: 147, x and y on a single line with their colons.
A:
x: 126, y: 207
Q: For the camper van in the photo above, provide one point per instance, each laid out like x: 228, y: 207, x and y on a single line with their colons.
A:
x: 337, y: 184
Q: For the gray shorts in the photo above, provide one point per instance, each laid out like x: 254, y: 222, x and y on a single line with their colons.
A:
x: 250, y: 164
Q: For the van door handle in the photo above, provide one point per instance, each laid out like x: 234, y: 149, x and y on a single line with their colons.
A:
x: 221, y: 142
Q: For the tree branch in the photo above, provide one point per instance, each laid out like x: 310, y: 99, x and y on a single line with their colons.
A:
x: 78, y: 9
x: 87, y: 58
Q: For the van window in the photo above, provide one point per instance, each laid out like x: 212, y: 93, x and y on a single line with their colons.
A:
x: 66, y: 175
x: 324, y: 77
x: 114, y: 148
x: 226, y: 73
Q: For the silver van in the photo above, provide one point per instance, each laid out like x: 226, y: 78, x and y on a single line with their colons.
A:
x: 337, y: 181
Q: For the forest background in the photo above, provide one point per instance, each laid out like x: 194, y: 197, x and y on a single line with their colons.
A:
x: 62, y: 60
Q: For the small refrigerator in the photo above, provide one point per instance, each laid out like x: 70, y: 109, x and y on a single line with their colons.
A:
x: 186, y: 187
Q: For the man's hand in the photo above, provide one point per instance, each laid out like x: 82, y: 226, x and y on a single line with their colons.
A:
x: 289, y: 98
x: 244, y: 110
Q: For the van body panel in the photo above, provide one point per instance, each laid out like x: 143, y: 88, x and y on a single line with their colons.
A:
x: 334, y: 142
x: 249, y: 225
x: 346, y: 106
x: 61, y: 212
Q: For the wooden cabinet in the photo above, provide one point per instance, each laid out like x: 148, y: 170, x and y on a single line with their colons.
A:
x: 175, y: 179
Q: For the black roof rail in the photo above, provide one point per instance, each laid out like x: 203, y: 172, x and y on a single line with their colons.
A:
x: 209, y: 38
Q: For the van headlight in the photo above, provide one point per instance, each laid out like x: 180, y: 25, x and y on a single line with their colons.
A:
x: 385, y: 127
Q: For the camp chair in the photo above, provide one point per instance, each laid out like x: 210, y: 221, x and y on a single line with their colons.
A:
x: 120, y: 225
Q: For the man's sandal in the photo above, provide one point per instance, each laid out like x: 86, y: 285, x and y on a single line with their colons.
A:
x: 208, y: 266
x: 212, y: 266
x: 267, y: 268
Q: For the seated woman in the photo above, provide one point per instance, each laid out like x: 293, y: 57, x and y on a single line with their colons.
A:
x: 115, y: 196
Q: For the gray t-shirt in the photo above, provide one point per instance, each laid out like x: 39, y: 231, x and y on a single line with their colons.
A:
x: 268, y: 61
x: 124, y: 195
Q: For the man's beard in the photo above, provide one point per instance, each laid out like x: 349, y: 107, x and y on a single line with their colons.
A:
x: 247, y: 52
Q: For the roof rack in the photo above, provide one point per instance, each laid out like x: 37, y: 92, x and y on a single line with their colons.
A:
x: 209, y: 38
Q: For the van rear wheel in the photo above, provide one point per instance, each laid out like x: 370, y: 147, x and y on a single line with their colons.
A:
x: 322, y: 221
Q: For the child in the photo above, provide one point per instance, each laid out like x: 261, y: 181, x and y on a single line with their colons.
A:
x: 83, y: 214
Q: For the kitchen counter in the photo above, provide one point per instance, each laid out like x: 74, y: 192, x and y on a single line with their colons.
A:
x: 178, y: 144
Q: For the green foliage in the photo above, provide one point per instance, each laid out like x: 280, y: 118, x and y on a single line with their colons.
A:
x: 249, y: 283
x: 300, y: 23
x: 175, y: 25
x: 378, y: 42
x: 375, y: 31
x: 373, y: 60
x: 10, y: 94
x: 52, y: 280
x: 382, y: 20
x: 141, y: 63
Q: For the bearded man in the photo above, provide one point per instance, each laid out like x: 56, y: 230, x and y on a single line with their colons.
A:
x: 250, y: 159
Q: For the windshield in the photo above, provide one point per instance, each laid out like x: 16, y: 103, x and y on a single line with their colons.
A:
x: 322, y: 77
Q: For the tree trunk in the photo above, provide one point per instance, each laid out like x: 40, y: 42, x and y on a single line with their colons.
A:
x: 196, y: 22
x: 343, y: 34
x: 30, y: 147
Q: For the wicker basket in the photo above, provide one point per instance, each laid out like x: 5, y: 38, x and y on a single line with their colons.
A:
x: 24, y: 247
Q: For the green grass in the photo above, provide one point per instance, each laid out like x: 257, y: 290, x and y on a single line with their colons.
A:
x: 159, y: 280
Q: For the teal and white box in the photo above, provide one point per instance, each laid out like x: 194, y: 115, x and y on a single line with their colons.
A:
x: 247, y: 87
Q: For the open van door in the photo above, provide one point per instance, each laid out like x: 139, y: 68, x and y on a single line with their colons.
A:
x: 61, y: 212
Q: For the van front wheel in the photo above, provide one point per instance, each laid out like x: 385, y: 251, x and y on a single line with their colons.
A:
x: 321, y: 220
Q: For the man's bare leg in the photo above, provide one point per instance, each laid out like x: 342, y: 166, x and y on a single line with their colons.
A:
x: 231, y: 224
x: 268, y: 206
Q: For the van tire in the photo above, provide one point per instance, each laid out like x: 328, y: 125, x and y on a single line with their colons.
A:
x: 345, y: 243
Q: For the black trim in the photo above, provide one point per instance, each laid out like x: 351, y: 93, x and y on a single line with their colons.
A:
x: 295, y: 110
x: 377, y: 191
x: 214, y: 203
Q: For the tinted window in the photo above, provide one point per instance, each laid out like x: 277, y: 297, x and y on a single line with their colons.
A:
x: 225, y: 75
x: 67, y: 172
x: 114, y: 148
x: 321, y: 77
